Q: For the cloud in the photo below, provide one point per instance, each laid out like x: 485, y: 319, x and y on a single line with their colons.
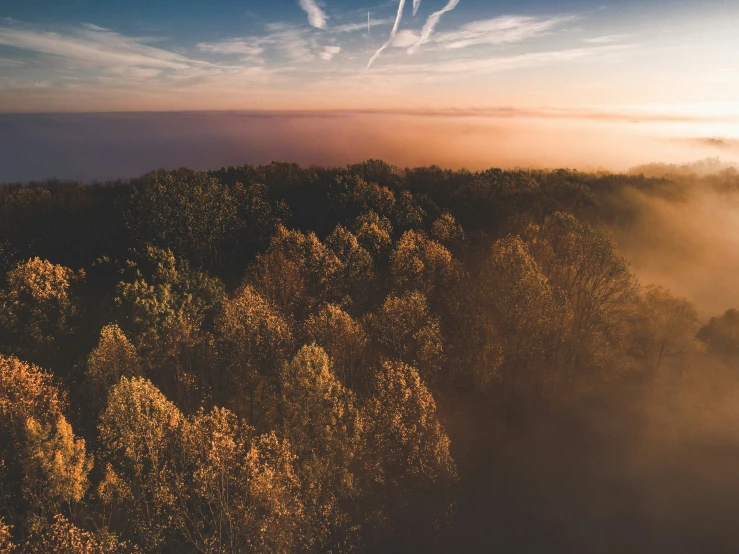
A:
x: 406, y: 38
x: 291, y: 41
x: 416, y: 5
x: 244, y: 47
x: 316, y: 16
x: 430, y: 25
x: 500, y: 30
x: 352, y: 27
x: 393, y: 32
x: 329, y: 52
x: 7, y: 62
x: 96, y: 47
x: 506, y: 63
x: 606, y: 39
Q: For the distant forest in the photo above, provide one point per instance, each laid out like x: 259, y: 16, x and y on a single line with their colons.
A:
x: 281, y: 359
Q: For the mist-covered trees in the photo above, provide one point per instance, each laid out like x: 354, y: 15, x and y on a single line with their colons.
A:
x: 276, y: 359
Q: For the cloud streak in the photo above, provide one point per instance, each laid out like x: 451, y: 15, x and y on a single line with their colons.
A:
x: 472, y: 66
x: 316, y: 16
x: 393, y: 32
x: 96, y: 47
x: 430, y: 26
x: 500, y: 30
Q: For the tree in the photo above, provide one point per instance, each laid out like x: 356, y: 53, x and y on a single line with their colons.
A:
x: 37, y: 307
x: 324, y: 426
x: 56, y: 465
x: 256, y: 340
x: 374, y: 232
x: 583, y: 265
x: 188, y: 212
x: 113, y: 357
x: 526, y: 312
x: 63, y: 537
x: 164, y: 305
x: 46, y: 465
x: 408, y: 214
x: 407, y: 330
x: 237, y: 492
x: 296, y: 271
x: 6, y: 539
x: 342, y: 337
x: 416, y: 469
x: 354, y: 278
x: 138, y: 433
x: 721, y: 335
x: 665, y: 329
x: 418, y: 263
x: 448, y: 232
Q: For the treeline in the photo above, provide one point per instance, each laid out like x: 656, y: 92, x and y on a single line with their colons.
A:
x: 269, y: 359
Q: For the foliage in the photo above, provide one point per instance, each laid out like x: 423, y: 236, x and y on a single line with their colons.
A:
x: 283, y: 359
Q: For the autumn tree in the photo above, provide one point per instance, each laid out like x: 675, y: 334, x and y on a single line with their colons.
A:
x: 324, y: 426
x: 665, y: 330
x: 374, y: 233
x: 582, y: 264
x: 6, y: 540
x: 63, y: 537
x: 113, y: 357
x: 46, y: 465
x: 416, y: 472
x: 448, y: 232
x: 296, y: 271
x: 721, y: 335
x: 236, y: 491
x: 354, y: 277
x: 526, y: 312
x: 343, y: 339
x: 37, y: 308
x: 419, y: 263
x: 407, y: 330
x: 164, y: 303
x: 190, y: 213
x: 138, y: 434
x: 256, y: 340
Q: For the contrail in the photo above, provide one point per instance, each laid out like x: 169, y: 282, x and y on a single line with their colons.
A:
x: 392, y: 33
x: 431, y: 23
x: 416, y: 5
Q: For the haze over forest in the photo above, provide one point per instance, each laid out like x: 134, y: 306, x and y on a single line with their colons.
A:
x: 309, y: 276
x: 369, y: 358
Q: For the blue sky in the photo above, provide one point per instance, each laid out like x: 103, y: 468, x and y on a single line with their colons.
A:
x: 83, y: 55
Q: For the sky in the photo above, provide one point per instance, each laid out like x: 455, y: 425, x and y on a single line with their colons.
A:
x: 668, y: 65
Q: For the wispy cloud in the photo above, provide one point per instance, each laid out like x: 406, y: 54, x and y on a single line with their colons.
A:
x: 500, y: 30
x: 95, y: 46
x: 606, y: 39
x: 329, y: 52
x: 352, y: 27
x: 430, y: 26
x: 244, y: 47
x: 291, y: 42
x: 8, y: 62
x: 316, y: 16
x: 506, y: 63
x: 393, y: 32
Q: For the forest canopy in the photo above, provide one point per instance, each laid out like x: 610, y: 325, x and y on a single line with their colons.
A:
x: 287, y: 359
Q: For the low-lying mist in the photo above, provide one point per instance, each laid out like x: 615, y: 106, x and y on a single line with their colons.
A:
x: 122, y: 145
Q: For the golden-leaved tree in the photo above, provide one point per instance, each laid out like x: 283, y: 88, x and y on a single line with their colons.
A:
x: 255, y: 341
x: 45, y: 464
x: 37, y: 307
x: 324, y: 425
